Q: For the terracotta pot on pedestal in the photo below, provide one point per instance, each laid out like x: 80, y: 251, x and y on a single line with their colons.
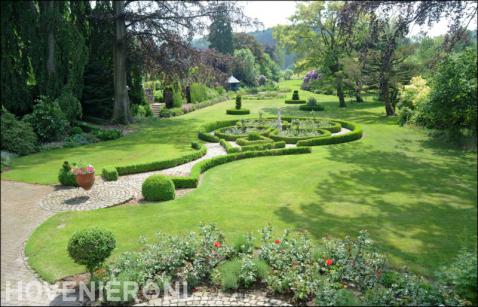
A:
x: 85, y: 181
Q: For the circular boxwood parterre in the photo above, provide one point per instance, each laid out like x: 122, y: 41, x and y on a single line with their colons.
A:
x: 158, y: 188
x: 237, y: 111
x: 294, y: 139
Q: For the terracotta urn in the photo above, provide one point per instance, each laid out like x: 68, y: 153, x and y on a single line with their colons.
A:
x: 85, y: 181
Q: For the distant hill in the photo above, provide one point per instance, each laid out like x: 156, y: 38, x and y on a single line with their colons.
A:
x: 264, y: 37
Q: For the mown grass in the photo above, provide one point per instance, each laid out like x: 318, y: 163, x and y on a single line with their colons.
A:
x: 416, y: 196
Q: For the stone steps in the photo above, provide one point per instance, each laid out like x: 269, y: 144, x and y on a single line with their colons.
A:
x: 156, y: 108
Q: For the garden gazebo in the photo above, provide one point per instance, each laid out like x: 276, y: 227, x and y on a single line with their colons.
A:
x: 233, y: 83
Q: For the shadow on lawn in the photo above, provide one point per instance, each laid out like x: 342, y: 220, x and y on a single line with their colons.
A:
x: 402, y: 199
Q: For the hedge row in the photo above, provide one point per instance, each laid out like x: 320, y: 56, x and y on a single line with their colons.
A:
x: 228, y: 147
x: 294, y: 140
x: 201, y: 167
x: 291, y: 101
x: 237, y: 112
x: 246, y: 142
x: 233, y: 137
x: 273, y: 145
x: 311, y: 108
x: 203, y: 133
x: 353, y: 135
x: 109, y: 173
x: 159, y: 165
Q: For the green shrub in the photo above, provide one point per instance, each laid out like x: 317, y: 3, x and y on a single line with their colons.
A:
x: 228, y: 275
x: 414, y: 94
x: 158, y: 188
x: 164, y: 112
x: 16, y: 136
x: 237, y: 112
x: 404, y: 115
x: 243, y: 244
x: 159, y: 165
x: 90, y: 247
x: 295, y: 95
x: 115, y: 289
x: 109, y: 174
x: 244, y: 272
x: 298, y: 101
x: 260, y: 140
x: 177, y: 97
x: 199, y: 92
x: 70, y: 105
x: 76, y: 130
x: 228, y: 147
x: 6, y: 159
x: 108, y: 134
x: 238, y: 102
x: 47, y: 120
x: 65, y: 176
x: 461, y: 274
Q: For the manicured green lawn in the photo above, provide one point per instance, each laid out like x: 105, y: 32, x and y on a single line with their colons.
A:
x: 416, y: 197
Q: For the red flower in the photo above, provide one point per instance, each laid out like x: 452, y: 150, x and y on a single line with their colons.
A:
x: 329, y: 262
x: 277, y: 241
x: 217, y: 244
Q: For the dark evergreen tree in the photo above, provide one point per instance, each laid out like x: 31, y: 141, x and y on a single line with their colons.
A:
x: 220, y: 31
x: 17, y: 31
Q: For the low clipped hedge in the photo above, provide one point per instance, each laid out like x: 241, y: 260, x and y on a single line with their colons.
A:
x: 291, y: 101
x: 273, y: 145
x: 306, y: 107
x: 233, y: 137
x: 228, y: 147
x: 353, y: 135
x: 246, y: 142
x: 159, y: 165
x: 237, y: 112
x: 158, y: 188
x: 109, y: 174
x: 193, y: 180
x: 294, y: 140
x: 204, y: 131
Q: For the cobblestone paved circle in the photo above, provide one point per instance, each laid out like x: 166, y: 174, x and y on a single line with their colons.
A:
x: 208, y: 298
x: 102, y: 195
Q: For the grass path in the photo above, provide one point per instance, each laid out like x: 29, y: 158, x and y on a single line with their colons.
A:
x: 417, y: 197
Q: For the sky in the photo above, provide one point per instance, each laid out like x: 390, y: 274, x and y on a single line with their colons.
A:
x: 272, y: 13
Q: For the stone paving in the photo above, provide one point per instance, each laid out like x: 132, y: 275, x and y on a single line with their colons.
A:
x: 209, y: 298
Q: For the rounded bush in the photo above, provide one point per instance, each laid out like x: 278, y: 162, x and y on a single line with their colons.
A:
x: 109, y: 174
x: 70, y: 105
x: 91, y: 246
x: 65, y: 176
x: 16, y: 136
x: 158, y: 188
x: 237, y: 112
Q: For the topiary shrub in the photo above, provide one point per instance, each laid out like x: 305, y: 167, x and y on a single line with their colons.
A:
x: 109, y: 174
x: 70, y: 105
x: 48, y: 120
x: 295, y: 95
x: 65, y: 176
x: 238, y: 102
x: 16, y: 136
x: 90, y: 247
x: 158, y: 188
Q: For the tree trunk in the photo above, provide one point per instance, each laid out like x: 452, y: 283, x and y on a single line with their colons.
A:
x: 340, y: 94
x: 121, y: 112
x: 358, y: 95
x: 168, y: 97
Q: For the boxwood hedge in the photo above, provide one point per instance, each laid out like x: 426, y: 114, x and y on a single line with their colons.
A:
x: 237, y: 112
x: 109, y: 174
x: 306, y: 107
x: 353, y: 135
x: 204, y: 131
x: 159, y: 165
x: 246, y: 142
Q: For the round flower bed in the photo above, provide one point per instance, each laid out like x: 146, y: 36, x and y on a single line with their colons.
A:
x: 234, y: 132
x: 293, y: 136
x: 158, y: 188
x: 237, y: 111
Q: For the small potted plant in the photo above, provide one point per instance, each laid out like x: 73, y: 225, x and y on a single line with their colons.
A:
x: 84, y: 175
